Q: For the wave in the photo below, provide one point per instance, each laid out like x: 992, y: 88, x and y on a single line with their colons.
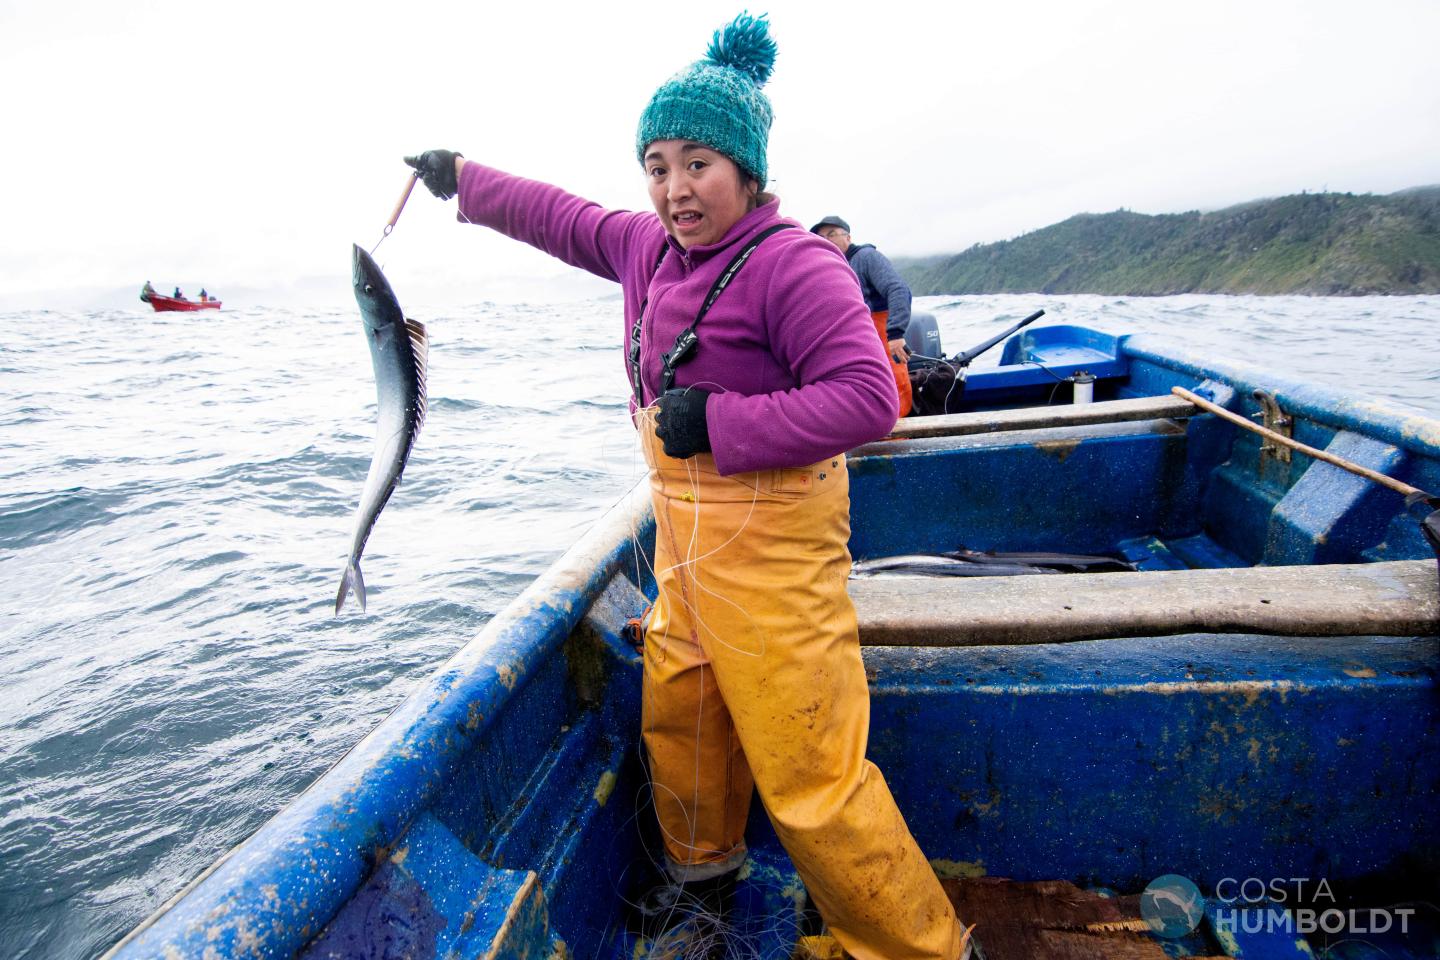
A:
x: 47, y: 517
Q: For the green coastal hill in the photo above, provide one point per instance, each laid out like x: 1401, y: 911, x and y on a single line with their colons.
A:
x: 1309, y: 243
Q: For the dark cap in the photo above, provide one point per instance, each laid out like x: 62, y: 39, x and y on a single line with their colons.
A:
x: 831, y: 222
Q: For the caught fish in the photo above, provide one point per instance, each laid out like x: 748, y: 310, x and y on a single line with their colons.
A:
x: 399, y: 350
x: 975, y: 563
x: 1063, y: 562
x: 939, y: 565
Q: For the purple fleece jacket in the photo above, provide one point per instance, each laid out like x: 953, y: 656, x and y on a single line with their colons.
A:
x: 789, y: 349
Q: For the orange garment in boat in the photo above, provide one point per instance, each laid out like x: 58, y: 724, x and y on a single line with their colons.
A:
x: 901, y: 369
x: 753, y: 678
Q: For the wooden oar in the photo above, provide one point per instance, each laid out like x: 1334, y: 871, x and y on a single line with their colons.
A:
x: 1414, y: 496
x: 1280, y: 438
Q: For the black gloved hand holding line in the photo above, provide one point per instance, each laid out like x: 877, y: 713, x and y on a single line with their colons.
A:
x: 437, y: 170
x: 681, y: 423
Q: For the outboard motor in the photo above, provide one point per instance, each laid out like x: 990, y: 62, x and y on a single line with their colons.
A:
x: 922, y: 336
x: 937, y: 384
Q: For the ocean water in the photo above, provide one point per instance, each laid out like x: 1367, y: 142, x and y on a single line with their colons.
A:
x: 176, y: 502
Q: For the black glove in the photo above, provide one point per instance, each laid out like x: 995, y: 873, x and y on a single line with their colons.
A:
x: 437, y: 169
x: 681, y: 422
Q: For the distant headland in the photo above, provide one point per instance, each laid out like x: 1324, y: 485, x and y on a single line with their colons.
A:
x: 1324, y: 244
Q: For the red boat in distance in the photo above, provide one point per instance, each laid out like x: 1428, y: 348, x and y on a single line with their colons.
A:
x: 163, y: 304
x: 179, y: 302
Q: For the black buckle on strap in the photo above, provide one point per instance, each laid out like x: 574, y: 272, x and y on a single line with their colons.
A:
x: 687, y: 343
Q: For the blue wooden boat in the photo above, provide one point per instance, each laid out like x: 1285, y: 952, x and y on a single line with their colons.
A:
x: 1256, y: 703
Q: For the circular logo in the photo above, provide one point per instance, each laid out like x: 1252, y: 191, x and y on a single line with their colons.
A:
x: 1172, y: 906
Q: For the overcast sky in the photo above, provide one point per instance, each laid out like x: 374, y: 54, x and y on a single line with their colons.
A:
x: 246, y: 145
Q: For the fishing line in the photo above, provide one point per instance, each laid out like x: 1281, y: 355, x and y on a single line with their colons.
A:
x: 695, y: 770
x: 694, y: 561
x: 682, y: 907
x: 642, y: 558
x: 686, y: 565
x: 706, y: 924
x: 1053, y: 374
x: 687, y: 811
x: 691, y: 561
x: 692, y: 472
x: 699, y: 726
x: 688, y: 814
x: 688, y: 559
x: 1048, y: 370
x: 678, y: 902
x: 955, y: 378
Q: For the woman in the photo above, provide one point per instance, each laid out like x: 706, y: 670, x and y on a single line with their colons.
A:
x: 753, y: 677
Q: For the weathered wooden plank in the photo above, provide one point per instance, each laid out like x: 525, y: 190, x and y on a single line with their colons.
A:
x: 1387, y: 599
x: 1033, y: 418
x: 1053, y: 919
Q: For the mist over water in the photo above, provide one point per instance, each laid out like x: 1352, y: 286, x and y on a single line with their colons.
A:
x: 176, y: 502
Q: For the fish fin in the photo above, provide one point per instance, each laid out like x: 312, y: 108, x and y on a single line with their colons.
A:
x: 351, y: 580
x: 359, y: 586
x: 420, y: 350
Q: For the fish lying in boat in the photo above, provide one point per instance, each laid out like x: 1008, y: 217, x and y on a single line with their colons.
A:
x: 399, y: 350
x: 973, y: 563
x: 1062, y: 562
x: 937, y: 565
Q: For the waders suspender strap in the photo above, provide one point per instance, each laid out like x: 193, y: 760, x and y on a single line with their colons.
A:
x: 632, y: 356
x: 686, y: 342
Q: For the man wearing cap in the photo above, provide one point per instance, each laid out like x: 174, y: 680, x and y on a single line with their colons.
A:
x: 887, y: 296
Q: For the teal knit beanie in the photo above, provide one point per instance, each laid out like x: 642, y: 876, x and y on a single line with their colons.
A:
x: 717, y: 101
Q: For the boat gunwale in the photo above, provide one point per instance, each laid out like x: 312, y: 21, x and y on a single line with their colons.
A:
x: 1402, y: 425
x: 350, y: 815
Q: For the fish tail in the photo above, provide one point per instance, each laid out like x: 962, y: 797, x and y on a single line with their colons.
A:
x: 351, y: 580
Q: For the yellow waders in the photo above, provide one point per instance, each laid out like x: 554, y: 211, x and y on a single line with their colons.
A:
x: 753, y: 677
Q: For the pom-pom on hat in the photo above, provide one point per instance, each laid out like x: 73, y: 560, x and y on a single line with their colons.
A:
x: 717, y: 101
